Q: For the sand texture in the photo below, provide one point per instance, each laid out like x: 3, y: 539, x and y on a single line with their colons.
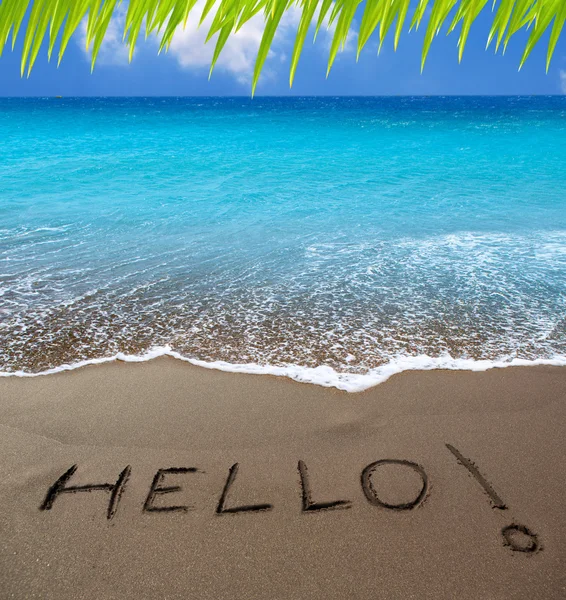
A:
x: 210, y: 485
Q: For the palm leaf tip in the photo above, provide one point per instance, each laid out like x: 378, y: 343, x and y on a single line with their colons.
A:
x: 55, y: 22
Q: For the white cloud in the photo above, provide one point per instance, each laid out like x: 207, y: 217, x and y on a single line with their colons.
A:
x: 326, y: 34
x: 238, y: 56
x: 113, y: 51
x: 563, y: 81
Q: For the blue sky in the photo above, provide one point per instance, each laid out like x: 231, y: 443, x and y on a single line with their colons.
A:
x: 184, y: 70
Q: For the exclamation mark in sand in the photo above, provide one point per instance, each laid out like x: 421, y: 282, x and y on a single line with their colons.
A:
x: 518, y: 537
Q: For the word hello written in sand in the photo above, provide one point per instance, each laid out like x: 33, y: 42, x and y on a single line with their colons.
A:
x: 518, y: 537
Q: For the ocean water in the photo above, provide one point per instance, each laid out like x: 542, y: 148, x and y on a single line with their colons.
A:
x: 333, y: 240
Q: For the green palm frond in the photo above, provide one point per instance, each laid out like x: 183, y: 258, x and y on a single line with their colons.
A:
x: 58, y: 20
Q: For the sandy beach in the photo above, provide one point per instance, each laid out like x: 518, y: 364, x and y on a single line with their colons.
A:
x: 217, y: 485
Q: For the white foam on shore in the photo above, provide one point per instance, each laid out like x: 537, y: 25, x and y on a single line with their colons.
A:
x: 324, y: 376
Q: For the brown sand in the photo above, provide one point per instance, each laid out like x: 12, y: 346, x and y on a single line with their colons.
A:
x: 166, y: 414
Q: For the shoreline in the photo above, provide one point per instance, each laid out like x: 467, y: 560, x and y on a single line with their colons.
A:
x: 323, y: 375
x: 234, y: 486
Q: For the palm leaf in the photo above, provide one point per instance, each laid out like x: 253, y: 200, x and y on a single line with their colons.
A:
x: 54, y: 22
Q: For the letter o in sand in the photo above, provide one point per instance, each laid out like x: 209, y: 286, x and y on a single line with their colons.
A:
x: 371, y: 493
x: 519, y: 538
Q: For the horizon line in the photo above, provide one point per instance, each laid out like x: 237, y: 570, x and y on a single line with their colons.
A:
x: 282, y: 96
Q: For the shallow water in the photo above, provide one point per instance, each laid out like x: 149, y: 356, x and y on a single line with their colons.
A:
x: 334, y: 240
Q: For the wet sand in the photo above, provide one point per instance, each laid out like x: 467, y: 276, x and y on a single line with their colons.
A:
x: 213, y: 485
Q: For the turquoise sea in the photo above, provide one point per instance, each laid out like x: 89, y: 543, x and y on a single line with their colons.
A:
x: 333, y: 240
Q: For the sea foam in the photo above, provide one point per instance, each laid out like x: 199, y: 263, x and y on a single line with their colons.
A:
x: 322, y: 375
